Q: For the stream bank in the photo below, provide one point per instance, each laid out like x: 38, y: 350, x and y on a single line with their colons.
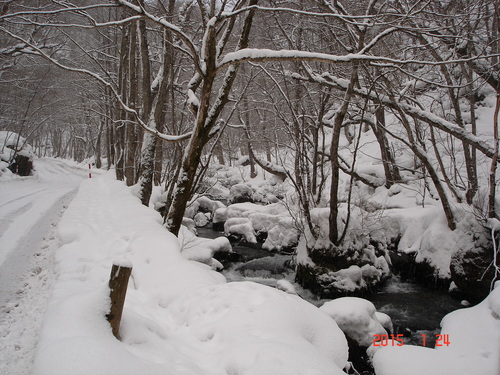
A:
x: 416, y: 310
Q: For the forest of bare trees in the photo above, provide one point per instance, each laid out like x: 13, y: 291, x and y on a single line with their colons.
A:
x: 158, y: 88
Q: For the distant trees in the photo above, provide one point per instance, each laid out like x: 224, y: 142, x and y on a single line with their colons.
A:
x: 165, y: 83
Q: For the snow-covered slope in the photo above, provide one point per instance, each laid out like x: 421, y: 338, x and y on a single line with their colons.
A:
x: 180, y: 317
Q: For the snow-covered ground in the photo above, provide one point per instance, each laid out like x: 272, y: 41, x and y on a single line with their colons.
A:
x: 30, y: 208
x: 180, y: 316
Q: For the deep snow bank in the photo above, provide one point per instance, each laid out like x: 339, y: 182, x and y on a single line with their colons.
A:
x: 180, y: 316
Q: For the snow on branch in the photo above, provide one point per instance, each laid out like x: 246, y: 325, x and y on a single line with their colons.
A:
x: 256, y: 54
x: 425, y: 116
x: 193, y: 51
x: 55, y: 11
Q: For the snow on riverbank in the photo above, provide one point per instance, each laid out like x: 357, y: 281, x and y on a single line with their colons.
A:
x: 470, y: 344
x: 180, y: 316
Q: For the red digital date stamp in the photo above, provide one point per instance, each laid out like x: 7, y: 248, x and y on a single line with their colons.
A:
x: 397, y: 340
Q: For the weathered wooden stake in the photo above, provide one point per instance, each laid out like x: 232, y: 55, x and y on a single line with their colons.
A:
x: 118, y: 282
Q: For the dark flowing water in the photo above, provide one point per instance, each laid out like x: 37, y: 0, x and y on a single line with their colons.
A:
x: 415, y: 310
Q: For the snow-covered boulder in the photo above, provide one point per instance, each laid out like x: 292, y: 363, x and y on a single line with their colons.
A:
x: 357, y: 318
x: 242, y: 227
x: 202, y: 204
x: 201, y: 219
x: 240, y: 193
x: 471, y: 261
x: 272, y: 222
x: 267, y: 267
x: 203, y: 249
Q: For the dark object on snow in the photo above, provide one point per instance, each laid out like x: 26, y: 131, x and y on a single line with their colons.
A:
x: 22, y: 165
x: 16, y: 153
x: 118, y: 282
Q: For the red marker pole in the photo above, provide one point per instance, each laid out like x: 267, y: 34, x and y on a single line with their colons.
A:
x: 90, y: 174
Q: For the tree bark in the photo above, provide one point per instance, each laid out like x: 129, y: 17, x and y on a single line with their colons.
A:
x: 118, y: 282
x: 206, y: 118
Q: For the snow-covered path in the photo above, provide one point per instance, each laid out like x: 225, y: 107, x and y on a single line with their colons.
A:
x: 30, y: 208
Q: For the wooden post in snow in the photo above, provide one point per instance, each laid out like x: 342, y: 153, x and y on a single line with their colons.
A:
x: 118, y: 282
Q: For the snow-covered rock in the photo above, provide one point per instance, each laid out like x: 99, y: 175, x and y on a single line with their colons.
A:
x: 471, y: 259
x: 201, y: 219
x: 273, y: 220
x: 357, y: 318
x: 358, y: 265
x: 202, y: 204
x: 203, y: 249
x: 240, y: 226
x: 240, y: 193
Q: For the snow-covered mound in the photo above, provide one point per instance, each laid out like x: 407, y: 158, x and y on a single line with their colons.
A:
x: 249, y: 219
x: 202, y: 204
x: 202, y: 249
x: 240, y: 193
x: 470, y: 344
x: 358, y: 319
x: 180, y: 316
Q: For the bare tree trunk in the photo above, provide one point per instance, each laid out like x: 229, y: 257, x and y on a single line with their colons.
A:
x: 390, y: 168
x: 421, y: 155
x: 151, y: 149
x: 130, y: 127
x: 494, y: 160
x: 120, y: 115
x: 205, y: 121
x: 334, y: 160
x: 98, y: 146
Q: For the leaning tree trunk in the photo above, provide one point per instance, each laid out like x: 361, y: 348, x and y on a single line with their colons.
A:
x: 206, y: 118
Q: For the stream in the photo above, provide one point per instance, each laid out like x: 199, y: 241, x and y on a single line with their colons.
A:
x: 415, y: 310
